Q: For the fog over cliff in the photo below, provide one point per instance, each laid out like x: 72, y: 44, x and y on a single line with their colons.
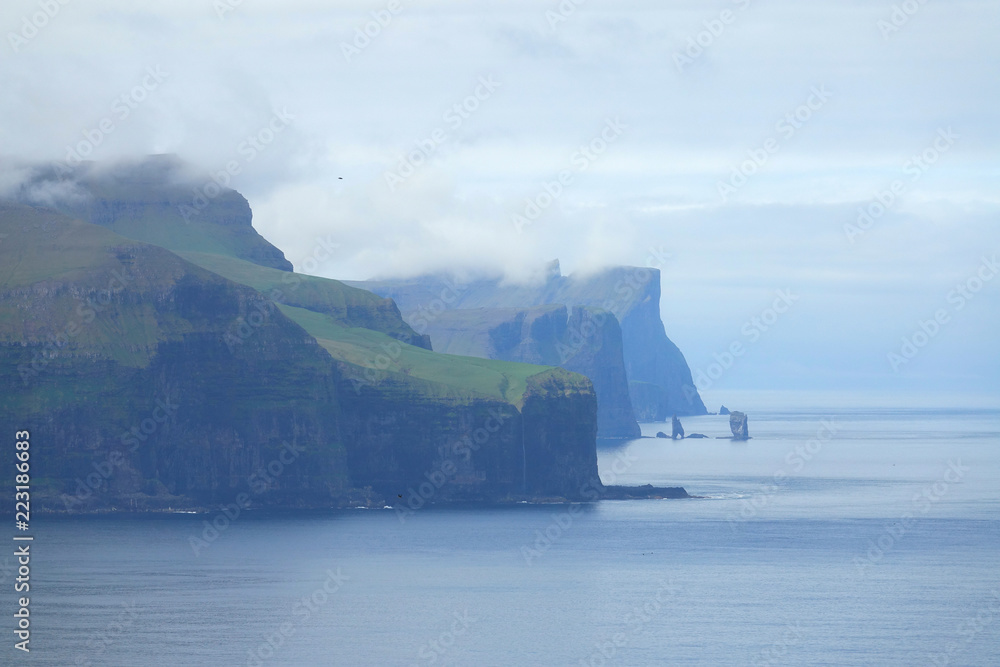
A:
x: 736, y: 143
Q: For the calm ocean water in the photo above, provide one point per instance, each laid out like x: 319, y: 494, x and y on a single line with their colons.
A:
x: 835, y: 537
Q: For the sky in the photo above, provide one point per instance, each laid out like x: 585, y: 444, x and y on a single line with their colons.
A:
x: 834, y: 160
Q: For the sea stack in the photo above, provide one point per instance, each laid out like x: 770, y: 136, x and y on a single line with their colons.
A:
x: 677, y: 431
x: 738, y: 423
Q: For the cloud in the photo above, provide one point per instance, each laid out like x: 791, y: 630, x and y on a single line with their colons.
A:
x: 688, y: 130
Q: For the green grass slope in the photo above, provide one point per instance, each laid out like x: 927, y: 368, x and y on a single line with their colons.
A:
x: 375, y: 358
x: 349, y: 307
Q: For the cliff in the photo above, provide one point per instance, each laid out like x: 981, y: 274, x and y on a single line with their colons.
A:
x: 586, y: 340
x: 113, y: 356
x: 149, y: 381
x: 157, y: 201
x: 655, y: 368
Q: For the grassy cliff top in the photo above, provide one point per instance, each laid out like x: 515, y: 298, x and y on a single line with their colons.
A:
x: 80, y: 260
x: 156, y: 200
x: 349, y: 307
x: 39, y: 244
x: 376, y: 357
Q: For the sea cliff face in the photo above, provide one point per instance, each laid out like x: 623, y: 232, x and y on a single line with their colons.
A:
x: 148, y: 381
x: 116, y: 357
x: 587, y: 341
x: 480, y: 449
x: 659, y: 379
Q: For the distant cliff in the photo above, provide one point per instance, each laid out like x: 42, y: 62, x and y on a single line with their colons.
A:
x: 656, y: 370
x: 587, y: 341
x: 154, y: 377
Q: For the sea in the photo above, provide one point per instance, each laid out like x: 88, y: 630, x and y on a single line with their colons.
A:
x: 840, y: 534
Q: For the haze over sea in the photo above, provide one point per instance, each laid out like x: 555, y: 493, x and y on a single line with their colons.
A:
x: 877, y: 545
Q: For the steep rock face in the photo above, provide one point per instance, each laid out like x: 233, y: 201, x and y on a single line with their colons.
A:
x: 479, y: 449
x: 156, y: 201
x: 149, y: 382
x: 738, y: 425
x: 560, y: 460
x: 116, y: 356
x: 586, y: 341
x: 347, y: 306
x: 659, y: 378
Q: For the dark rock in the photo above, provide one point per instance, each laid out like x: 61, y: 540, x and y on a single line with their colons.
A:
x: 677, y: 431
x: 724, y: 410
x: 738, y: 424
x: 229, y: 406
x: 661, y: 434
x: 697, y: 435
x: 643, y: 492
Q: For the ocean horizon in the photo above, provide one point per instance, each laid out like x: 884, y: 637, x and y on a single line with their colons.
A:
x: 846, y: 535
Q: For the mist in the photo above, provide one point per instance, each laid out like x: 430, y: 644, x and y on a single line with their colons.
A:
x: 842, y: 152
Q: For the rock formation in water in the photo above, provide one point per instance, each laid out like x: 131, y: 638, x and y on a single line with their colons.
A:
x: 724, y: 410
x: 676, y: 430
x: 738, y: 425
x: 661, y: 434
